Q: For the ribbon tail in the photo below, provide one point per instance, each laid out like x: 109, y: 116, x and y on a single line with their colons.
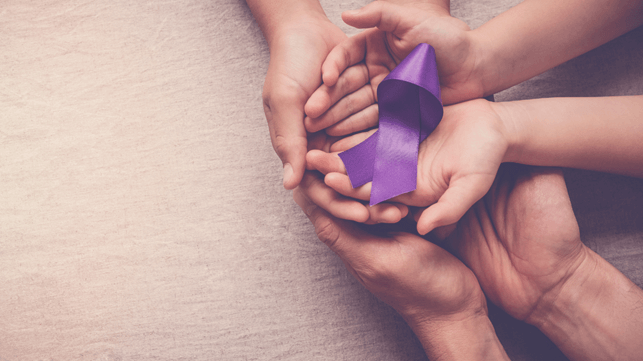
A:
x: 359, y: 161
x: 409, y: 110
x: 395, y: 170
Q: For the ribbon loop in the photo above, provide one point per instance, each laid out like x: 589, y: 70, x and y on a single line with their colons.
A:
x: 410, y: 108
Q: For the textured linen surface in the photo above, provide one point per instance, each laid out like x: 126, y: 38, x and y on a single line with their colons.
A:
x: 142, y: 215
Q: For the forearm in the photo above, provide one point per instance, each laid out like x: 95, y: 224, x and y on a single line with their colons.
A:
x: 597, y: 315
x: 273, y: 15
x: 472, y: 338
x: 602, y: 134
x: 537, y: 35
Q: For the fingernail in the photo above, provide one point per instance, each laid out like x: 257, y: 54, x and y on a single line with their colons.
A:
x: 288, y: 172
x: 351, y: 12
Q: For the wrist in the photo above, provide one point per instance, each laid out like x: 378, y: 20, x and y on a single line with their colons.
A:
x: 594, y: 314
x: 486, y: 72
x: 471, y: 337
x: 513, y: 118
x: 279, y: 16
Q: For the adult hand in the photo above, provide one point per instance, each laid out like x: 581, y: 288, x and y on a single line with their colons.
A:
x: 433, y: 291
x: 523, y: 243
x: 354, y: 69
x: 297, y: 50
x: 522, y: 239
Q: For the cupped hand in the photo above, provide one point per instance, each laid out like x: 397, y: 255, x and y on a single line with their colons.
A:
x: 457, y: 164
x: 521, y: 240
x: 354, y: 69
x: 296, y: 55
x: 337, y: 204
x: 422, y: 281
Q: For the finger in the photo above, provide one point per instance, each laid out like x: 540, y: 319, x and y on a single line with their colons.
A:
x: 387, y: 212
x: 351, y: 80
x: 334, y: 203
x: 351, y: 141
x: 325, y: 162
x: 321, y: 141
x: 441, y: 233
x: 416, y: 212
x: 343, y: 238
x: 454, y: 203
x: 383, y: 15
x: 342, y: 185
x: 341, y: 109
x: 362, y: 120
x: 347, y: 53
x: 288, y: 136
x: 326, y: 226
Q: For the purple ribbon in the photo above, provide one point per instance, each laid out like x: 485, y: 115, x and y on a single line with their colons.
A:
x: 410, y: 108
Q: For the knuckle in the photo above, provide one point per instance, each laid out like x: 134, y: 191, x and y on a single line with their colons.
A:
x: 346, y: 56
x: 281, y: 96
x: 379, y: 271
x: 287, y: 92
x: 288, y: 144
x: 327, y: 233
x: 280, y: 145
x: 349, y: 104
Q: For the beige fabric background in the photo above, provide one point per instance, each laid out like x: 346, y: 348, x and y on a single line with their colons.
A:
x: 141, y: 210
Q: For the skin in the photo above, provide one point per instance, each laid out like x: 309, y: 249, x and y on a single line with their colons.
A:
x: 375, y: 52
x: 436, y: 294
x: 458, y: 162
x: 522, y: 236
x: 544, y: 296
x: 520, y: 43
x: 522, y: 243
x: 300, y: 36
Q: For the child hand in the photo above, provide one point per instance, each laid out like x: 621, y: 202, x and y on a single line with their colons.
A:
x: 457, y: 165
x: 312, y: 185
x: 353, y: 69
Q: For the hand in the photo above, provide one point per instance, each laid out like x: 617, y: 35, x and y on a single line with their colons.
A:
x: 457, y: 164
x: 296, y: 54
x: 521, y: 240
x: 433, y: 291
x: 340, y: 206
x: 365, y: 59
x: 523, y: 243
x: 407, y: 272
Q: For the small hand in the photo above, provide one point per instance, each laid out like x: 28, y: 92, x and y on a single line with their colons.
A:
x: 296, y: 55
x: 344, y: 103
x: 457, y: 164
x: 338, y: 205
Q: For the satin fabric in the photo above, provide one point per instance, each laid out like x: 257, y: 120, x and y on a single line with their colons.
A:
x: 410, y: 108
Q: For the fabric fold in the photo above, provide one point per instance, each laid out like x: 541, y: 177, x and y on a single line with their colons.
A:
x: 410, y: 108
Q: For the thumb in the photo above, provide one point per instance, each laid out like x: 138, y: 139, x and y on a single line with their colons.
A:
x: 461, y: 195
x: 383, y: 15
x: 333, y: 232
x: 288, y: 135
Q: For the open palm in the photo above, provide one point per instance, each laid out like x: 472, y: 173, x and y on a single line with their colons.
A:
x: 521, y: 240
x: 457, y: 165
